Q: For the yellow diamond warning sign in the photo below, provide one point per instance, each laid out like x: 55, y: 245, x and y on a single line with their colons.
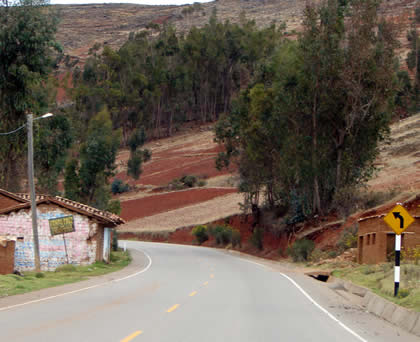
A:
x: 398, y: 219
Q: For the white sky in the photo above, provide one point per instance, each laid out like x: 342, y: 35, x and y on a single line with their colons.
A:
x: 139, y: 2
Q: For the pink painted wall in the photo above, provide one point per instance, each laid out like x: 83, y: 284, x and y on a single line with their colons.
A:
x: 81, y: 244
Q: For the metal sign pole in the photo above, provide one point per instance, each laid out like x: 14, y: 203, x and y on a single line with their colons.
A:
x: 397, y: 264
x: 65, y: 247
x: 398, y: 219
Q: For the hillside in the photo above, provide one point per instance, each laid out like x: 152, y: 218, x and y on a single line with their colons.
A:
x: 152, y: 208
x: 82, y: 26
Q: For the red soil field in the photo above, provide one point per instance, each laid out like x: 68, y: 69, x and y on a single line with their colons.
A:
x: 155, y: 204
x: 201, y: 168
x: 162, y: 172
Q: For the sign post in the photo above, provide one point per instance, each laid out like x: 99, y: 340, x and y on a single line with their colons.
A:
x: 62, y: 225
x: 398, y: 219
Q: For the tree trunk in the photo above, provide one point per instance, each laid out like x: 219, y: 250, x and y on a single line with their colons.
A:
x: 316, y: 198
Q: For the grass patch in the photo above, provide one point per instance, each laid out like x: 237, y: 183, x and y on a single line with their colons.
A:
x: 380, y: 279
x: 12, y: 284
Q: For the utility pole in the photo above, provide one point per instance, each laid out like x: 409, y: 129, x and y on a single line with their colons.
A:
x: 32, y: 190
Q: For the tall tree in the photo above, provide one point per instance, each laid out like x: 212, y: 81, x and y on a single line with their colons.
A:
x: 27, y: 31
x: 311, y: 127
x: 97, y: 160
x: 413, y: 56
x: 52, y: 141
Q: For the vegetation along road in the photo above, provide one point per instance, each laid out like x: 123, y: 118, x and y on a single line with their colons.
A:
x: 184, y: 293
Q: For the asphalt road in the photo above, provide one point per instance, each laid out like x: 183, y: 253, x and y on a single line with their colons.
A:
x: 191, y: 294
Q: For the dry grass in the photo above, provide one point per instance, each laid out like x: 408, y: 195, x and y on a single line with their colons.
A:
x: 380, y: 279
x: 82, y: 26
x: 399, y: 161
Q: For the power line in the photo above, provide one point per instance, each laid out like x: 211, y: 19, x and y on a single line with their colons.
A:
x: 14, y: 131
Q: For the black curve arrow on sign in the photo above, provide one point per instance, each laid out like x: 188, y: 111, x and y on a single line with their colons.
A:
x: 397, y: 215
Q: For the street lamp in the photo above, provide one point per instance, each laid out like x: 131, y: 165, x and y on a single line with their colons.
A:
x: 29, y: 125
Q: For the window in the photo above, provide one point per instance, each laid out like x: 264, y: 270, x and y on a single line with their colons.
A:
x: 368, y: 239
x: 373, y: 238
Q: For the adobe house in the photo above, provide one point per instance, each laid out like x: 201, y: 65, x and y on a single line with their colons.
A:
x: 7, y: 244
x: 376, y: 240
x: 87, y: 236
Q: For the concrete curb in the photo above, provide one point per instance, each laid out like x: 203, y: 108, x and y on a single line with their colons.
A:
x: 407, y: 319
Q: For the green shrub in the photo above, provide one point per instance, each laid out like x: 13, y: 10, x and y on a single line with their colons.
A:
x: 301, y: 250
x: 114, y: 206
x: 332, y: 254
x: 317, y: 255
x: 402, y: 293
x: 224, y: 234
x: 118, y: 186
x: 39, y: 275
x: 147, y: 155
x: 348, y: 238
x: 66, y: 268
x: 189, y: 180
x: 186, y: 181
x: 200, y: 233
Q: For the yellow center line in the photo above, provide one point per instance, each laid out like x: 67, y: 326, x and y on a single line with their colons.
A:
x: 193, y: 293
x: 206, y: 283
x: 211, y: 275
x: 172, y: 308
x: 130, y: 337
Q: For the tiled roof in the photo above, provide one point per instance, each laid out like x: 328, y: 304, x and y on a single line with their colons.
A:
x: 9, y: 199
x: 81, y: 208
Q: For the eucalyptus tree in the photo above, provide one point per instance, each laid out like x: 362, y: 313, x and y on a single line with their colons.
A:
x: 308, y: 128
x: 27, y: 39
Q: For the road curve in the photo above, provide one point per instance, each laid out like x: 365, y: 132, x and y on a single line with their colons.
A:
x: 185, y: 294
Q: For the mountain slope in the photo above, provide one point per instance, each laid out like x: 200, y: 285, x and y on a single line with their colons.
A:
x: 82, y: 26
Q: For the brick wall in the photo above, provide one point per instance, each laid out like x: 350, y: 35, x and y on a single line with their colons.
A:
x: 376, y: 240
x: 7, y: 257
x: 81, y: 244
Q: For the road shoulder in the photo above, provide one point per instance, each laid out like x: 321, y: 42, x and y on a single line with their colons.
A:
x: 139, y: 262
x: 348, y: 308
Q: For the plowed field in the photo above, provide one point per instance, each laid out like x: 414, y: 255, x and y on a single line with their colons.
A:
x: 189, y: 154
x: 151, y: 205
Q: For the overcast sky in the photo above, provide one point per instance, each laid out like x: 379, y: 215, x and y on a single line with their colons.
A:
x: 140, y: 2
